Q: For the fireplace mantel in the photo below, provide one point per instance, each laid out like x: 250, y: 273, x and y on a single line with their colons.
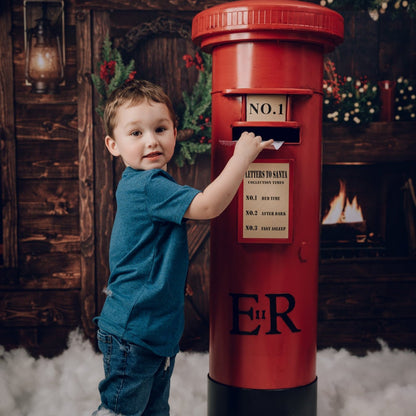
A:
x: 380, y: 142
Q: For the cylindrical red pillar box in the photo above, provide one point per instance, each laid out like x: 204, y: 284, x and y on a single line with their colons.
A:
x: 267, y: 78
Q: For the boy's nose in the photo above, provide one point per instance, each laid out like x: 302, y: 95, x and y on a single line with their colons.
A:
x: 151, y: 140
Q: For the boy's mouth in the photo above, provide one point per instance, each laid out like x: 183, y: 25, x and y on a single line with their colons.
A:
x: 152, y: 155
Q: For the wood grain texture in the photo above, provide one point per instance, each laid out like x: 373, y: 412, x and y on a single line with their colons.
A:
x: 361, y: 336
x: 59, y: 180
x: 86, y: 172
x: 377, y: 143
x: 7, y: 143
x: 103, y: 171
x: 160, y: 5
x: 47, y: 308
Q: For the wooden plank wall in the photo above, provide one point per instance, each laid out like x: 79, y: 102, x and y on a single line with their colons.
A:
x: 362, y: 301
x: 58, y: 180
x: 42, y: 304
x: 162, y: 71
x: 8, y: 147
x: 57, y: 234
x: 381, y: 50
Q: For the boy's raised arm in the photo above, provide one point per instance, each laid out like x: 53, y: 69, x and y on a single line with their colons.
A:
x: 218, y: 194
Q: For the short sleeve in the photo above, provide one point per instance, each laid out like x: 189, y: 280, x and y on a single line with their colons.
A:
x: 166, y: 200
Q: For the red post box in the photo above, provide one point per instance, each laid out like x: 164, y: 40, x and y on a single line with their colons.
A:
x: 267, y: 78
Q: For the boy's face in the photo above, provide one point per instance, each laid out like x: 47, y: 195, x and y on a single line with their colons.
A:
x: 144, y: 135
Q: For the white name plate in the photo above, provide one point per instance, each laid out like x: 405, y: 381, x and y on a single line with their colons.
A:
x: 262, y: 107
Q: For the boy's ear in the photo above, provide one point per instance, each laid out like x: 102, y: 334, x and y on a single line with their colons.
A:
x: 111, y: 145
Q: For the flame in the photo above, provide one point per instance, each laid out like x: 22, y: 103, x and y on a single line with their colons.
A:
x: 342, y: 210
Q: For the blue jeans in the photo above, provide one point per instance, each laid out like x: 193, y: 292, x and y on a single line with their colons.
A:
x: 136, y: 382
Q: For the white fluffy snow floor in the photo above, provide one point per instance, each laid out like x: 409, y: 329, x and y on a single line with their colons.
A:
x: 382, y: 383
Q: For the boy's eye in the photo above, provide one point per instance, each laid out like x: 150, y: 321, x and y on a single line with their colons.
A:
x: 136, y: 133
x: 160, y: 129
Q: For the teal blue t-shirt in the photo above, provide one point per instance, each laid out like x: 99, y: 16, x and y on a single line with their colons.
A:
x: 148, y: 261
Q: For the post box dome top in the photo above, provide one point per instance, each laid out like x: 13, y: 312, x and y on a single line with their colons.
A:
x: 268, y: 19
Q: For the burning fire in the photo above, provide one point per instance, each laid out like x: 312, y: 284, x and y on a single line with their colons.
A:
x: 342, y: 210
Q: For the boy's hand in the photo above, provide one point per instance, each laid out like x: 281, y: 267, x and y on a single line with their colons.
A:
x: 217, y: 195
x: 249, y: 146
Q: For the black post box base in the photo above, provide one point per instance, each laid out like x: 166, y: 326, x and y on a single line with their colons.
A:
x: 226, y: 400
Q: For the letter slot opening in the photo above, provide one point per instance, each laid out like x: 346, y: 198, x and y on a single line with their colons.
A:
x: 285, y: 134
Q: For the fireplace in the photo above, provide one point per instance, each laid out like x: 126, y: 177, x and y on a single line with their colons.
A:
x: 367, y: 210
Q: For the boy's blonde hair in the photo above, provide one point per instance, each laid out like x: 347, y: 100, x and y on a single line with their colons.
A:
x: 134, y: 92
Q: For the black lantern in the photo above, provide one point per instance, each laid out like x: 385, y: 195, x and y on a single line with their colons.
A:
x: 44, y: 68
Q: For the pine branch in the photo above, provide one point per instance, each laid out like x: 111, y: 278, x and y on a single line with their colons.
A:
x: 112, y: 73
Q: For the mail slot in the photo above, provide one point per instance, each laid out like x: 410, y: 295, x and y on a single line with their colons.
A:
x: 289, y: 135
x: 267, y: 78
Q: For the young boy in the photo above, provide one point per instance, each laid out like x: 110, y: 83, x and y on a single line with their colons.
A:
x: 142, y: 319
